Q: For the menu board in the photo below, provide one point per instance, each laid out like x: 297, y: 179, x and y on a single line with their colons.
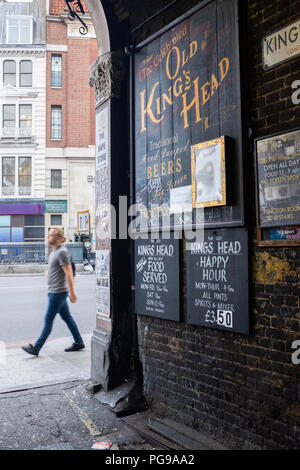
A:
x: 217, y: 280
x: 157, y: 278
x: 278, y: 178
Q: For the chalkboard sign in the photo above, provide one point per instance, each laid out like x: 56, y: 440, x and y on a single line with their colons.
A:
x: 157, y: 278
x: 278, y: 178
x: 217, y: 280
x: 187, y: 92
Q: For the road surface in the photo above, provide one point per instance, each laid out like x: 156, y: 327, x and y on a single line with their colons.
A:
x: 23, y: 303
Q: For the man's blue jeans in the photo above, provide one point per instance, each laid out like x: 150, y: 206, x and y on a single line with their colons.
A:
x: 58, y: 304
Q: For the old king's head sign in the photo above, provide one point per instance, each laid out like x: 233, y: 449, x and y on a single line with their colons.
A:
x: 187, y: 90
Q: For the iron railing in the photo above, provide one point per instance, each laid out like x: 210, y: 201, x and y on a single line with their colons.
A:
x: 19, y: 253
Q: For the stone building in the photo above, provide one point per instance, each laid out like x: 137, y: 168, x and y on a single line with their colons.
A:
x: 218, y: 356
x: 23, y: 125
x: 70, y: 140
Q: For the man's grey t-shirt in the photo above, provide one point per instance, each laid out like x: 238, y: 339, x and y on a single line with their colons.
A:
x: 57, y: 282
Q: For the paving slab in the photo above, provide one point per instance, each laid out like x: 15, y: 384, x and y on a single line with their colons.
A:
x: 20, y: 371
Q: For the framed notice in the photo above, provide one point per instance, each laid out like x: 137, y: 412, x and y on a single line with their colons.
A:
x: 217, y: 282
x: 278, y: 180
x: 102, y: 282
x: 83, y: 222
x: 208, y: 173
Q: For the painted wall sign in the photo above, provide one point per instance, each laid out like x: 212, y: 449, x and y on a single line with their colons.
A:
x: 278, y: 179
x: 281, y: 46
x: 217, y: 280
x: 187, y: 91
x: 56, y: 206
x: 157, y: 278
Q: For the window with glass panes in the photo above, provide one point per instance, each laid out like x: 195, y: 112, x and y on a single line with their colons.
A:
x: 9, y: 116
x: 56, y: 179
x: 18, y: 30
x: 25, y: 116
x: 24, y: 172
x: 56, y: 219
x: 8, y: 176
x: 16, y: 176
x: 56, y: 122
x: 25, y: 73
x: 9, y: 72
x: 56, y: 71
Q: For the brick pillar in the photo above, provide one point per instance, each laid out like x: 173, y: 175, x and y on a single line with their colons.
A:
x: 111, y: 341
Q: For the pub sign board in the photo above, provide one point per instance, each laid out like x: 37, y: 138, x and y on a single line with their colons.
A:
x: 157, y: 278
x: 187, y: 92
x: 217, y: 280
x: 278, y: 179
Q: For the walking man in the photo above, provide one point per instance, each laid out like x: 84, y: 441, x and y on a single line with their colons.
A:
x: 60, y: 277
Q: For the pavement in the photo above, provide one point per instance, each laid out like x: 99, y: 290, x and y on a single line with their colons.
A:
x: 45, y: 403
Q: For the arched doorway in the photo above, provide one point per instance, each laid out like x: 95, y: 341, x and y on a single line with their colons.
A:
x: 112, y: 338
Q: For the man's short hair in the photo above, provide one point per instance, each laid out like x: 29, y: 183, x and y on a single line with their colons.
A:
x: 60, y: 234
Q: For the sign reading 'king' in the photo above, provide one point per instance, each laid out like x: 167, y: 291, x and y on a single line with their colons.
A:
x: 186, y: 92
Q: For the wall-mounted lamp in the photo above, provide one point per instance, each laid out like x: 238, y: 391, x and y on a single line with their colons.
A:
x: 73, y: 13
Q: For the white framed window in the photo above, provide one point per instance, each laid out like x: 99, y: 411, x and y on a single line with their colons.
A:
x: 16, y: 176
x: 17, y: 120
x: 9, y: 72
x: 56, y: 71
x: 25, y: 73
x: 56, y: 123
x: 56, y: 179
x: 17, y: 73
x: 19, y: 30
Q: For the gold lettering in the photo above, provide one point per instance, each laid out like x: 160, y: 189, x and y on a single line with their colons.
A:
x: 163, y: 168
x: 178, y: 165
x: 205, y: 93
x: 147, y: 109
x: 170, y: 167
x: 177, y: 64
x: 214, y: 84
x: 155, y: 170
x: 225, y: 61
x: 167, y: 98
x: 194, y: 102
x: 193, y: 48
x: 178, y: 91
x: 149, y: 173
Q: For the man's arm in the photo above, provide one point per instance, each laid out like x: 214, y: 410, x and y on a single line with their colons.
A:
x: 69, y: 275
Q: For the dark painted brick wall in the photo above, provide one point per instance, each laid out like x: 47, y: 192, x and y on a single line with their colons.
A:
x: 242, y: 390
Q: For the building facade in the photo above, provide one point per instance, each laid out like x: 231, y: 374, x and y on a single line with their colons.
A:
x: 217, y: 347
x: 23, y: 124
x: 70, y: 140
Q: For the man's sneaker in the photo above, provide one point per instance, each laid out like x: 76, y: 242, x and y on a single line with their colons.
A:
x: 75, y: 347
x: 31, y: 350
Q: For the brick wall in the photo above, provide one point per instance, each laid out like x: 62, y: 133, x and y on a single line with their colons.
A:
x: 243, y: 390
x: 76, y: 96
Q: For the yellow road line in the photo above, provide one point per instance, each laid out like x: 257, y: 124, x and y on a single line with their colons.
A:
x: 92, y: 428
